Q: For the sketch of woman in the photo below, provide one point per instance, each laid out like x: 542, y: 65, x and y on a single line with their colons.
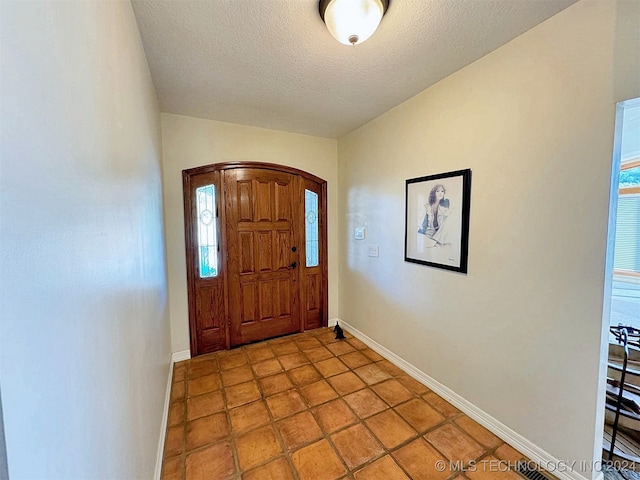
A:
x: 435, y: 219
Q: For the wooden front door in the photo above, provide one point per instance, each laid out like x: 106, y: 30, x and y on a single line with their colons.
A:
x: 262, y: 271
x: 262, y: 242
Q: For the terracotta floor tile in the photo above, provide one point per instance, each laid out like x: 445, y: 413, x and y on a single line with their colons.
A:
x: 356, y: 445
x: 371, y: 354
x: 365, y: 403
x: 279, y: 340
x: 237, y: 375
x: 355, y: 343
x: 372, y: 374
x: 206, y: 358
x: 492, y: 468
x: 267, y: 367
x: 258, y: 354
x: 284, y: 348
x: 317, y: 354
x: 204, y: 384
x: 419, y: 460
x: 196, y: 370
x: 176, y: 414
x: 334, y: 415
x: 285, y: 404
x: 327, y: 337
x: 173, y: 469
x: 340, y: 348
x: 304, y: 375
x: 317, y: 393
x: 392, y: 392
x: 204, y: 405
x: 441, y: 405
x: 177, y: 392
x: 293, y: 360
x: 390, y: 429
x: 412, y: 385
x: 331, y: 367
x: 206, y: 430
x: 174, y: 441
x: 346, y: 383
x: 179, y: 373
x: 299, y: 430
x: 242, y: 394
x: 257, y: 447
x: 507, y: 452
x: 419, y: 414
x: 279, y: 469
x: 478, y: 432
x: 355, y: 359
x: 456, y: 445
x: 384, y: 469
x: 390, y: 368
x: 232, y: 360
x: 318, y: 461
x: 275, y: 384
x: 250, y: 416
x: 212, y: 463
x: 308, y: 343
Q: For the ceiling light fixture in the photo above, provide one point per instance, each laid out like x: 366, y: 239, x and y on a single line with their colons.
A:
x: 352, y: 21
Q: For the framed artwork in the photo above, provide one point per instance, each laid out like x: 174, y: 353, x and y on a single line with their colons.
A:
x: 437, y: 220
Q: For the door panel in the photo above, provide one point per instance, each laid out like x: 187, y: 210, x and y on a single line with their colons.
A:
x: 263, y: 293
x: 265, y: 250
x: 245, y: 251
x: 245, y: 210
x: 262, y: 283
x: 283, y: 195
x: 248, y: 300
x: 210, y: 307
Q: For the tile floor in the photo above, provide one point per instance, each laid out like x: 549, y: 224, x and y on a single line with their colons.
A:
x: 309, y: 407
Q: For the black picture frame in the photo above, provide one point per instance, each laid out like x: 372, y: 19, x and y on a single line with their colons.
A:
x: 437, y: 220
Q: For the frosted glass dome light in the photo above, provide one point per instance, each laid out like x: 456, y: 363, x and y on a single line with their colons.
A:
x: 352, y: 21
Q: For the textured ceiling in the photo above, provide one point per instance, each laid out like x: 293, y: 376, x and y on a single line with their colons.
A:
x: 273, y: 63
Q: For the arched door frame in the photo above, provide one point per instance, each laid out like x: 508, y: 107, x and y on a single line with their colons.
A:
x: 215, y: 173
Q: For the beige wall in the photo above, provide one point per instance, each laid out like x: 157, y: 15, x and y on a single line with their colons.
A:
x: 84, y: 331
x: 190, y: 142
x: 520, y: 335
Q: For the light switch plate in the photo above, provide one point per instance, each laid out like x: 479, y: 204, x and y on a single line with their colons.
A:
x: 359, y: 233
x: 373, y: 251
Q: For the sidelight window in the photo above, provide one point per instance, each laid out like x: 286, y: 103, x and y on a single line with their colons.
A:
x: 207, y: 231
x: 311, y: 227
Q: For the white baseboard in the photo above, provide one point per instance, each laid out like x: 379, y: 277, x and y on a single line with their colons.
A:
x: 529, y: 449
x: 180, y: 356
x: 175, y: 357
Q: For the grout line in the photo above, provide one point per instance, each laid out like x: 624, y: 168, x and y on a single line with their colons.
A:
x: 231, y: 438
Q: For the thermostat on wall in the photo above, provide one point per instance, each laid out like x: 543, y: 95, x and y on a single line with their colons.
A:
x: 359, y: 233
